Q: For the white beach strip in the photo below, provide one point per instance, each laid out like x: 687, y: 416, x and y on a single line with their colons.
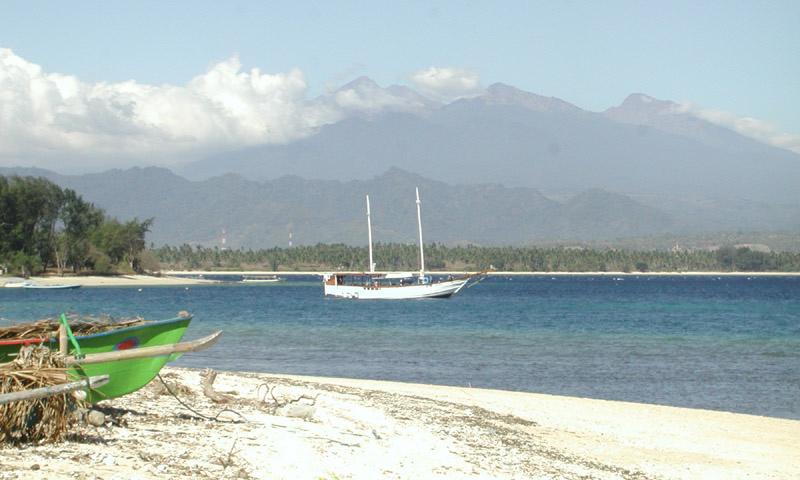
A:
x: 366, y: 429
x: 118, y: 281
x: 497, y: 273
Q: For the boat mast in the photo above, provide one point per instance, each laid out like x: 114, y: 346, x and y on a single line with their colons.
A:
x: 421, y: 251
x: 369, y: 233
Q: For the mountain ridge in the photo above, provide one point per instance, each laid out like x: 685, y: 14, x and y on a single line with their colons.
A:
x: 518, y: 138
x: 261, y: 214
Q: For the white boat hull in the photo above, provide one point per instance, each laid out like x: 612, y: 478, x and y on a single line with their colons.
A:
x: 399, y: 292
x: 52, y: 287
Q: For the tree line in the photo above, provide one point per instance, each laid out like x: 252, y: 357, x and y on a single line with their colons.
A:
x: 43, y: 226
x: 405, y: 257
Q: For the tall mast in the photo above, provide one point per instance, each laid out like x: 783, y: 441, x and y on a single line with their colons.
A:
x: 369, y: 232
x: 421, y: 251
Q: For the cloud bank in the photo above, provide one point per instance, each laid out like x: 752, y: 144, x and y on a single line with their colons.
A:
x: 446, y: 83
x: 50, y: 115
x: 47, y: 119
x: 54, y: 120
x: 754, y: 128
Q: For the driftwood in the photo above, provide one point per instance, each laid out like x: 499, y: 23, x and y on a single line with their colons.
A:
x: 291, y: 407
x: 209, y: 376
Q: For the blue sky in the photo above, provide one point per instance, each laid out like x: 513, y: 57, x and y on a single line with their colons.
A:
x: 742, y: 57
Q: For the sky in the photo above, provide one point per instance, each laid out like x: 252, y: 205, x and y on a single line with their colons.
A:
x: 127, y: 66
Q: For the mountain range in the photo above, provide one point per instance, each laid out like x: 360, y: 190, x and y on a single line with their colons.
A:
x: 642, y: 147
x: 503, y: 167
x: 262, y: 214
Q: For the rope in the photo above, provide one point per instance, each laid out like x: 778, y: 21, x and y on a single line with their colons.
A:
x: 215, y: 418
x: 479, y: 280
x: 78, y: 353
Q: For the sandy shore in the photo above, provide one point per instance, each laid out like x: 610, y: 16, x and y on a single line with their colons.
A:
x: 503, y: 273
x: 369, y: 429
x: 112, y: 281
x: 168, y: 280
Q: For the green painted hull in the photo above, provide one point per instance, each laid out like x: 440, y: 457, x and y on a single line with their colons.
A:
x: 126, y: 376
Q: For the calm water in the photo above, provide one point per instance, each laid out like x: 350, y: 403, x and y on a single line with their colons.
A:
x: 728, y: 344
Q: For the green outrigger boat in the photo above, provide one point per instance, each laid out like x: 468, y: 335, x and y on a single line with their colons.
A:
x: 130, y: 356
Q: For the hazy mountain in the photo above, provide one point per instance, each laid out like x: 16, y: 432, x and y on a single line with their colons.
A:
x: 669, y: 171
x: 670, y: 117
x: 502, y: 94
x: 516, y: 138
x: 261, y: 214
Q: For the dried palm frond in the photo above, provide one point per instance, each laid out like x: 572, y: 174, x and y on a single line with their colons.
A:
x: 48, y: 328
x: 41, y: 420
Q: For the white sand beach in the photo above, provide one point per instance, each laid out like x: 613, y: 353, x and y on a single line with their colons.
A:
x: 180, y: 280
x: 112, y: 280
x: 365, y: 429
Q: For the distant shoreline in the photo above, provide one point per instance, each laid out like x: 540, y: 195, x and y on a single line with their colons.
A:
x: 111, y: 281
x: 493, y: 273
x: 185, y: 277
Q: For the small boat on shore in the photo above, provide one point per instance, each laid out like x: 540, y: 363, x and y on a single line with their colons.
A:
x: 132, y: 356
x: 261, y: 279
x: 393, y: 285
x: 35, y: 286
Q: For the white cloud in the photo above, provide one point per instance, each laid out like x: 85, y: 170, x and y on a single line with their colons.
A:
x: 754, y: 128
x: 364, y: 95
x: 446, y: 83
x: 53, y: 116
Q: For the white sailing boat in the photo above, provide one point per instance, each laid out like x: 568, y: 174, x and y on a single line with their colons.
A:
x: 394, y: 285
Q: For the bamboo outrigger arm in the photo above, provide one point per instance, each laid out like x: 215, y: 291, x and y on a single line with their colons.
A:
x: 43, y: 392
x: 193, y: 346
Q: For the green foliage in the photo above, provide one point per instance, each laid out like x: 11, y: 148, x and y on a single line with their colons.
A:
x: 42, y: 225
x: 405, y: 257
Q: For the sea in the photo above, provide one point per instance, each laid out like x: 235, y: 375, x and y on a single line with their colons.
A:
x: 721, y: 343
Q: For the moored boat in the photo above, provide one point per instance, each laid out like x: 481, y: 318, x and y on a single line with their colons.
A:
x: 35, y: 286
x: 393, y: 285
x: 261, y: 279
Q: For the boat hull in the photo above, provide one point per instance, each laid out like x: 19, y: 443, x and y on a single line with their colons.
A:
x: 51, y: 287
x: 126, y: 376
x: 33, y: 286
x: 400, y: 292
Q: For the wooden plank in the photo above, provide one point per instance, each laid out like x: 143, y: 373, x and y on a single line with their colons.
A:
x: 193, y: 346
x: 36, y: 393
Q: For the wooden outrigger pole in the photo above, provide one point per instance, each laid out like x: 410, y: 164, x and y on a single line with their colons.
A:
x: 43, y: 392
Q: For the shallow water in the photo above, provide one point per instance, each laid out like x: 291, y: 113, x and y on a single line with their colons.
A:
x: 729, y: 343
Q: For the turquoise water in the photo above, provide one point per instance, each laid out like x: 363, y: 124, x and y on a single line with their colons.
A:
x: 730, y: 343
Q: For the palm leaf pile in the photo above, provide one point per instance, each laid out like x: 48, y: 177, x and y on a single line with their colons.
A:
x: 48, y: 328
x: 35, y: 421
